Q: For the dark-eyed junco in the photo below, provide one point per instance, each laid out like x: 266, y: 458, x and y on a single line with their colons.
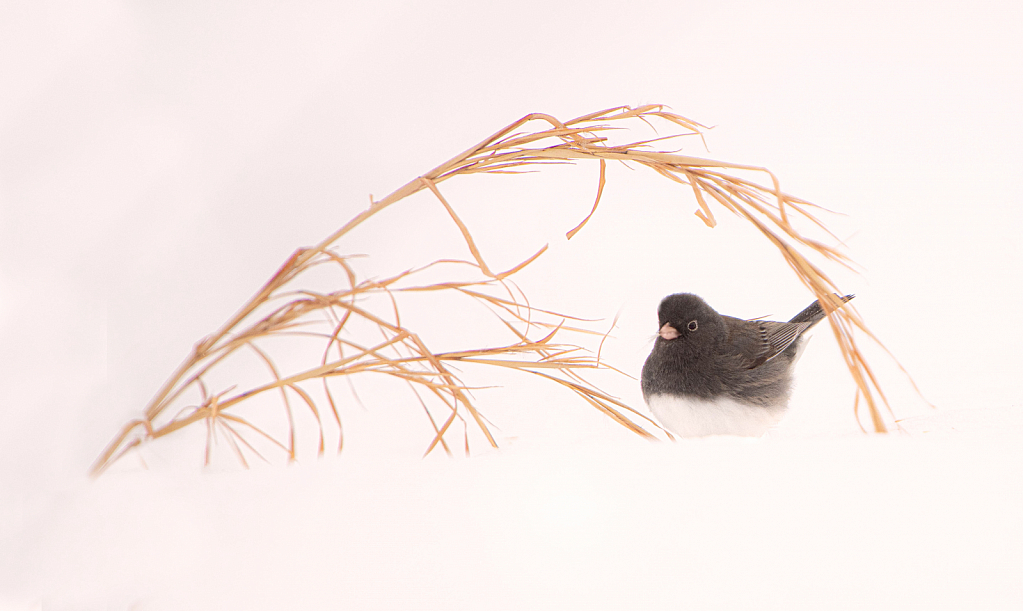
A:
x: 710, y: 374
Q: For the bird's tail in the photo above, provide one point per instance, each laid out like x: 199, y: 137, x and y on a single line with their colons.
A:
x: 815, y: 313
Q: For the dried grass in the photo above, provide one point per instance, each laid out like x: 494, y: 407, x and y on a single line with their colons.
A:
x: 539, y: 345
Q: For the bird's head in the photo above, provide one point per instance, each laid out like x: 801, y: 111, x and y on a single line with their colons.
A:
x: 685, y: 320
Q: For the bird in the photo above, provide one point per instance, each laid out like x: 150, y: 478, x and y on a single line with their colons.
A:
x: 710, y: 374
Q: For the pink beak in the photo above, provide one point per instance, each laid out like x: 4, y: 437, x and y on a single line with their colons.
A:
x: 668, y: 332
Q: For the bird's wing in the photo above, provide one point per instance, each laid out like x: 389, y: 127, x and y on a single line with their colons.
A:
x: 754, y: 342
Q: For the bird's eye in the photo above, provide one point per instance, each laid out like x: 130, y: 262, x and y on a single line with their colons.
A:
x: 692, y: 325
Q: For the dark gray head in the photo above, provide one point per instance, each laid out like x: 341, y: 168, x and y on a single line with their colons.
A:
x: 689, y: 324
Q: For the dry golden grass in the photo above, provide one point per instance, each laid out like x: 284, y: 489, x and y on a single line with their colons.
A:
x: 283, y: 307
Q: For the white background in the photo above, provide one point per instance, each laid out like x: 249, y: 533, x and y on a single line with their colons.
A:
x: 158, y: 163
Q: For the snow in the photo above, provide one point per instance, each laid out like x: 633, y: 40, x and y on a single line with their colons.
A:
x: 928, y: 520
x: 158, y: 163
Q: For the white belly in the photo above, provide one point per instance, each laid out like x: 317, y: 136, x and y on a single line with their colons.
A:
x: 698, y: 418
